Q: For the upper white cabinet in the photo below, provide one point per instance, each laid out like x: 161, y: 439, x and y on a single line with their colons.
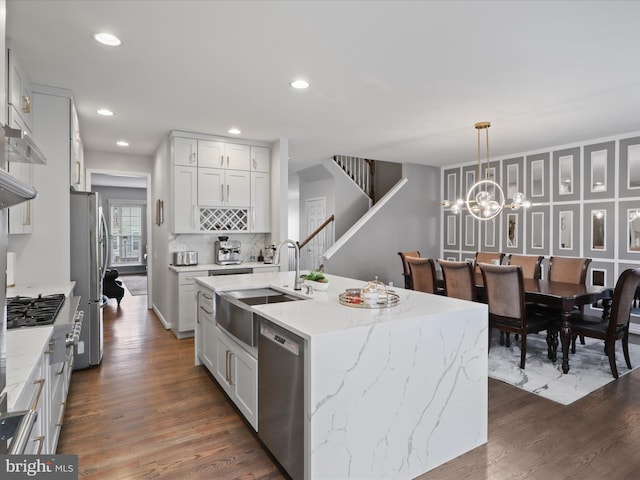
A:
x: 185, y: 151
x: 19, y: 90
x: 76, y: 159
x: 20, y: 216
x: 260, y: 159
x: 212, y: 154
x: 221, y: 196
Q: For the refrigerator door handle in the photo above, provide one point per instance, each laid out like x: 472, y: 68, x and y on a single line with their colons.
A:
x: 104, y: 241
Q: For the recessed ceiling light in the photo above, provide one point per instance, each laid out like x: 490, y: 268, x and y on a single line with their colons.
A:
x: 105, y: 112
x: 234, y: 131
x: 122, y: 143
x: 300, y: 84
x: 108, y: 39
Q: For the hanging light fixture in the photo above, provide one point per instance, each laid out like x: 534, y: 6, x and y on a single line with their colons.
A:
x: 485, y: 199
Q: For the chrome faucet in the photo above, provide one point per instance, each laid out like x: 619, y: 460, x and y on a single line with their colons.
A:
x: 298, y: 281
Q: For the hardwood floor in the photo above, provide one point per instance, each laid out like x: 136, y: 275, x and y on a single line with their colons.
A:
x: 147, y: 412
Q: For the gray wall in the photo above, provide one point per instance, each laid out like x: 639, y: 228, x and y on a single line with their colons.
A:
x: 410, y: 220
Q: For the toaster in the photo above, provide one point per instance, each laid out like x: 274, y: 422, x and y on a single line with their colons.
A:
x: 183, y: 259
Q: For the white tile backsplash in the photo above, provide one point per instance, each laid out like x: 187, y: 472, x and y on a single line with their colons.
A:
x: 252, y: 243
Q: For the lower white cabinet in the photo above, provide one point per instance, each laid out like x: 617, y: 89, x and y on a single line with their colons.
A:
x: 233, y: 367
x: 205, y: 330
x: 183, y: 310
x: 34, y: 396
x: 237, y: 372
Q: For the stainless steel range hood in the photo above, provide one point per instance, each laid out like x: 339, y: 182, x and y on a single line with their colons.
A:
x: 21, y: 147
x: 13, y: 191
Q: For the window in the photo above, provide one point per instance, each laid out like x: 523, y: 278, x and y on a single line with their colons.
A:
x: 126, y: 234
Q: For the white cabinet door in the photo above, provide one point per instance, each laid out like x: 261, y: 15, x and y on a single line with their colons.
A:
x: 237, y: 374
x: 260, y: 159
x: 185, y: 151
x: 211, y: 154
x: 237, y: 157
x: 206, y: 330
x: 245, y: 385
x: 20, y: 215
x: 76, y: 159
x: 20, y: 94
x: 222, y: 370
x: 187, y: 302
x: 238, y: 188
x: 184, y: 199
x: 260, y: 202
x: 211, y: 187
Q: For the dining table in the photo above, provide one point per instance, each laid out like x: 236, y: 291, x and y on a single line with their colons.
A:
x: 563, y: 298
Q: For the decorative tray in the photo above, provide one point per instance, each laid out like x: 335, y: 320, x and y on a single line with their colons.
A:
x: 392, y: 299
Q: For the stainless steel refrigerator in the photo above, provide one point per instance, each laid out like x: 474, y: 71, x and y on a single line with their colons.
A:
x: 89, y: 259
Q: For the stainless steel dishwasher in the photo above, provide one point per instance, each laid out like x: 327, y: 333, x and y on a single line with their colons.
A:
x: 281, y: 396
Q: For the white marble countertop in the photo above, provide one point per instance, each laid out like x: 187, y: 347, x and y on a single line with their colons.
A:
x: 215, y: 266
x: 389, y: 393
x: 323, y: 313
x: 25, y: 345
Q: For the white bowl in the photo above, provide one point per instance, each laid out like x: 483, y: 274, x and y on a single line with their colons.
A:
x: 317, y: 286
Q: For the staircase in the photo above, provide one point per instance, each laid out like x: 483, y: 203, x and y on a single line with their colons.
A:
x: 360, y: 170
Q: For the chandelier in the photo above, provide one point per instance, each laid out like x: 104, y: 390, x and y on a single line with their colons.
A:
x: 485, y: 199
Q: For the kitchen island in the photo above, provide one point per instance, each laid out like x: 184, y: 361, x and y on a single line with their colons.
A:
x: 391, y: 392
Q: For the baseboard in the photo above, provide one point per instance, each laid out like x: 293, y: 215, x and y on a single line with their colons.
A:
x: 164, y: 323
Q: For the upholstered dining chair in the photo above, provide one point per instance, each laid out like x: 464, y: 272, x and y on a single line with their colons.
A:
x: 504, y: 289
x: 531, y: 265
x: 459, y: 280
x: 423, y: 274
x: 487, y: 257
x: 569, y: 270
x: 405, y: 268
x: 616, y: 327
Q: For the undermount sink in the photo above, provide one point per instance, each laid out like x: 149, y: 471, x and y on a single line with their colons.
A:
x: 263, y: 296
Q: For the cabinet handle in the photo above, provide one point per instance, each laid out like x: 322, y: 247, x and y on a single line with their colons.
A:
x: 253, y: 217
x: 27, y: 104
x: 78, y: 172
x: 205, y: 310
x: 227, y: 193
x: 37, y: 399
x: 222, y: 193
x: 61, y: 419
x: 208, y: 297
x: 255, y: 164
x: 222, y: 160
x: 228, y: 372
x: 227, y: 161
x: 194, y: 157
x: 40, y: 440
x: 27, y: 215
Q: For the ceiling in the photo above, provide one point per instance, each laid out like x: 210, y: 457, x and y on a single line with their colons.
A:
x: 390, y: 80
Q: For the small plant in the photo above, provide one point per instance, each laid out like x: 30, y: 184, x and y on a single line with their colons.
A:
x: 315, y: 277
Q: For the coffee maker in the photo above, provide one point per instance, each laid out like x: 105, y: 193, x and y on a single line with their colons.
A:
x: 270, y: 252
x: 227, y: 252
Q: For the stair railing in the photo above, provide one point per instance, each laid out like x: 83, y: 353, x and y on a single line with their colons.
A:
x: 314, y: 235
x: 360, y: 170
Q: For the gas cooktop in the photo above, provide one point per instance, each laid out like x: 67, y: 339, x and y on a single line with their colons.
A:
x: 33, y: 312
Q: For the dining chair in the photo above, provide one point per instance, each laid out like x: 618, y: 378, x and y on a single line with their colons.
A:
x: 569, y: 270
x: 531, y: 265
x: 487, y: 257
x: 423, y: 274
x: 504, y: 289
x: 616, y: 327
x: 405, y: 268
x: 459, y: 280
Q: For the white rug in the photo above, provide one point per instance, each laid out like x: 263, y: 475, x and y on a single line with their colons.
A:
x: 588, y: 367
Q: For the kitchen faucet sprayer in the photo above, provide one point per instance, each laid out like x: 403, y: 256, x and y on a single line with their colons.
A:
x: 298, y: 281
